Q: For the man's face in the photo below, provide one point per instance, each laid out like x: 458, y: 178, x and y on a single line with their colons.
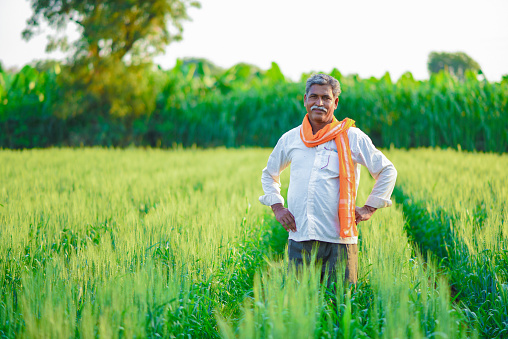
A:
x: 320, y: 104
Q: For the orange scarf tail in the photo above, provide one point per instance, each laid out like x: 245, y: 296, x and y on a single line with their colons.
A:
x: 337, y: 130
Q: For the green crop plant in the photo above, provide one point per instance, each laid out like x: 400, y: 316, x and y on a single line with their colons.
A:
x: 126, y: 243
x: 398, y: 295
x: 455, y: 206
x: 147, y: 242
x: 245, y: 106
x: 27, y: 118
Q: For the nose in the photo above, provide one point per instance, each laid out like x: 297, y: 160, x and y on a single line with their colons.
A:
x: 319, y: 101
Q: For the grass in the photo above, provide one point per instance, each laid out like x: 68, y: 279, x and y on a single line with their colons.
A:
x: 398, y: 295
x: 455, y: 206
x: 125, y: 243
x: 148, y: 243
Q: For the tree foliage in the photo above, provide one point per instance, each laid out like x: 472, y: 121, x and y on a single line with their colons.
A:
x: 454, y: 63
x: 129, y: 30
x: 108, y: 63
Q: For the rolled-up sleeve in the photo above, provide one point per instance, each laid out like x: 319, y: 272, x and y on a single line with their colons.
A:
x: 382, y: 170
x: 270, y: 177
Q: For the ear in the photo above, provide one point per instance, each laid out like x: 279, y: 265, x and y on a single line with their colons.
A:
x: 336, y: 102
x: 304, y: 99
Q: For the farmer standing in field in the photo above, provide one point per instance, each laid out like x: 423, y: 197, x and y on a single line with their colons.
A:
x: 325, y: 155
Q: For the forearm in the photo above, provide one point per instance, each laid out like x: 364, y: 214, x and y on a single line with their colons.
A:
x: 382, y: 170
x: 383, y: 188
x: 270, y: 177
x: 271, y: 188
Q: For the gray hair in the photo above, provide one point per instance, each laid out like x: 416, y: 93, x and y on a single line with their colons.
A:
x: 323, y: 79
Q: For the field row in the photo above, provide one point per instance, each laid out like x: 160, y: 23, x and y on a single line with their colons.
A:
x: 123, y: 243
x: 455, y: 205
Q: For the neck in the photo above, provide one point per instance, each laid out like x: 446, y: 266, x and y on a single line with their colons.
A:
x: 317, y: 126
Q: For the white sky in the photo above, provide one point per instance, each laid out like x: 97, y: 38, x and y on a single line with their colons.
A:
x: 368, y: 37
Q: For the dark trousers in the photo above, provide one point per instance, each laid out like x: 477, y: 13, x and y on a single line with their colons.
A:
x: 332, y: 256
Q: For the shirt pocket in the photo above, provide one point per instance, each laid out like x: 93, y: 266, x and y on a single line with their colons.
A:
x: 330, y: 162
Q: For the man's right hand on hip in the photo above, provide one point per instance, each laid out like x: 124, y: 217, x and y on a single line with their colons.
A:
x: 285, y: 217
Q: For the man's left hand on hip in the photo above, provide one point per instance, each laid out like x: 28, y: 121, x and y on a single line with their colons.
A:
x: 364, y: 213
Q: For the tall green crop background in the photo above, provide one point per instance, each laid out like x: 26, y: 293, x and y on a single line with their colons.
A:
x: 244, y: 106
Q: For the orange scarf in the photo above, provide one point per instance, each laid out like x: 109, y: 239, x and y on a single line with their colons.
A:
x: 347, y: 193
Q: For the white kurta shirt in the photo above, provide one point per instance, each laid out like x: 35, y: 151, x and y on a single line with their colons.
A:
x: 313, y: 194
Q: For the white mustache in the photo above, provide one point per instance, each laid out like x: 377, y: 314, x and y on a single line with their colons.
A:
x: 318, y: 107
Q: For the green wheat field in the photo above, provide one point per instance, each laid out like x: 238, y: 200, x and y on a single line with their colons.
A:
x: 110, y: 243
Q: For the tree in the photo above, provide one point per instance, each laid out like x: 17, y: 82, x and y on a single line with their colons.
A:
x: 129, y: 30
x: 454, y: 63
x: 118, y: 40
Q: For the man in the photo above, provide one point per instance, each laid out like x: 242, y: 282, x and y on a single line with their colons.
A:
x: 324, y: 155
